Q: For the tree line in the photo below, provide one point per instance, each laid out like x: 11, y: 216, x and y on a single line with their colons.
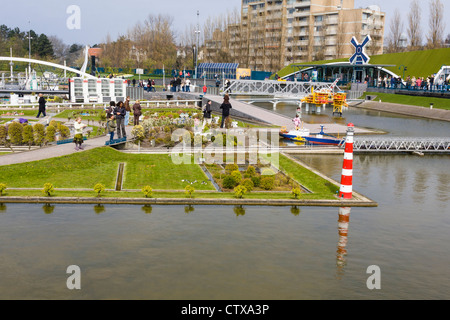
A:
x: 420, y: 35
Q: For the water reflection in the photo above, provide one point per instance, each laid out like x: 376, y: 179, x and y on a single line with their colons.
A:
x: 239, y: 210
x: 343, y: 223
x: 48, y: 208
x: 99, y: 208
x: 3, y: 207
x: 188, y: 209
x: 295, y: 210
x: 147, y: 209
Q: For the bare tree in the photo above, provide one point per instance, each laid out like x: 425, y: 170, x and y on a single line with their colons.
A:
x: 414, y: 26
x: 395, y: 32
x: 437, y: 25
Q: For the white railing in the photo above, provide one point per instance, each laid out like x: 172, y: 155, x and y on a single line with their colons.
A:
x: 277, y: 88
x: 147, y: 103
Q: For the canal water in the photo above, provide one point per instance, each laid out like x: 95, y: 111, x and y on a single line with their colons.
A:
x: 210, y: 252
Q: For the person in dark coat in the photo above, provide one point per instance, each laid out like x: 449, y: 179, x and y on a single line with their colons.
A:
x: 42, y: 103
x: 207, y: 113
x: 120, y: 112
x: 110, y: 110
x: 226, y: 106
x: 137, y: 112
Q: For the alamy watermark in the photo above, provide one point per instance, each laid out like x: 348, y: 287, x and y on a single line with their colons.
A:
x: 229, y: 147
x: 74, y: 280
x: 73, y: 22
x: 374, y: 281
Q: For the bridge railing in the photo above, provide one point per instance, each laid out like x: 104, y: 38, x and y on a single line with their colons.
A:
x: 144, y: 104
x: 399, y: 144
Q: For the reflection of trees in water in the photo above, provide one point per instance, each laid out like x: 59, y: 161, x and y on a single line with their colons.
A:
x: 3, y: 207
x: 400, y: 181
x: 147, y: 208
x: 188, y: 209
x: 420, y: 184
x: 442, y: 189
x: 239, y: 210
x: 99, y: 208
x: 295, y: 210
x: 48, y: 208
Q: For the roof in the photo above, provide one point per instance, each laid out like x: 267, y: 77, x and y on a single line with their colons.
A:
x: 219, y: 66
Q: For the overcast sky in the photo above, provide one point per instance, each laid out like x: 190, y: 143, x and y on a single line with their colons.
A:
x: 99, y: 17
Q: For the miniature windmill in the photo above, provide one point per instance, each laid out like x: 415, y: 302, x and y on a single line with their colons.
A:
x: 360, y: 56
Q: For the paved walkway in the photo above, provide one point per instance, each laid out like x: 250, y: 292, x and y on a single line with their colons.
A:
x: 415, y: 111
x: 274, y: 118
x: 54, y: 150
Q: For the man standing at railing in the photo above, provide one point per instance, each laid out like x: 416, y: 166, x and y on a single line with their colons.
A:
x: 42, y: 103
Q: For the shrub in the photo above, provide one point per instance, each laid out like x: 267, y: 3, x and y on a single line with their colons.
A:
x: 256, y: 181
x: 39, y: 134
x: 296, y: 192
x: 229, y: 182
x: 48, y: 189
x: 99, y: 188
x: 267, y: 172
x: 237, y: 176
x: 267, y: 182
x: 27, y: 135
x: 231, y: 167
x: 239, y: 191
x: 3, y: 134
x: 138, y: 132
x: 189, y: 190
x: 15, y: 131
x: 50, y: 134
x: 64, y: 131
x: 148, y: 191
x: 250, y: 172
x: 2, y: 188
x: 248, y: 184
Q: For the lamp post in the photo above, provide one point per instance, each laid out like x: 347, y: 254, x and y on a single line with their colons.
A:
x: 29, y: 49
x: 197, y: 32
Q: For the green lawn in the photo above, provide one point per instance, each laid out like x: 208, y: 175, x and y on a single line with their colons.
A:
x: 438, y: 103
x: 85, y: 169
x: 321, y: 188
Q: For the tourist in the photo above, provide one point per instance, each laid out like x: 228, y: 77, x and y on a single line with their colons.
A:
x: 178, y: 84
x: 42, y: 103
x: 127, y: 111
x: 205, y: 88
x: 297, y: 122
x: 183, y: 85
x: 226, y: 106
x: 120, y: 117
x: 188, y: 85
x: 111, y: 127
x: 227, y: 85
x: 110, y: 110
x: 137, y: 112
x: 78, y: 138
x: 207, y: 113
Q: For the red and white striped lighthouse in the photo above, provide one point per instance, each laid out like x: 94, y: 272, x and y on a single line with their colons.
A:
x: 347, y: 168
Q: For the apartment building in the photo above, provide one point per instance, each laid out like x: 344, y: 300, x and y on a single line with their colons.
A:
x: 275, y: 33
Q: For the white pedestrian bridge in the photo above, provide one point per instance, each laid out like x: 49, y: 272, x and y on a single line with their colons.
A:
x: 285, y: 89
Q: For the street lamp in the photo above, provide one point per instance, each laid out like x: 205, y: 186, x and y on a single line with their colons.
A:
x: 197, y: 32
x: 29, y: 48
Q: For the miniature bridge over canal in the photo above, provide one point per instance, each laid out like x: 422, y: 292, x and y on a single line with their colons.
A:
x: 276, y: 88
x: 401, y: 144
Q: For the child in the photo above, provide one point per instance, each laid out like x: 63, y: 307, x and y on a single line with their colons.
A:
x: 297, y: 122
x: 78, y: 138
x: 111, y: 127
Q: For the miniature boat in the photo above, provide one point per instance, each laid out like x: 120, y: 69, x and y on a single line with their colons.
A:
x: 322, y: 138
x: 294, y: 135
x: 303, y: 135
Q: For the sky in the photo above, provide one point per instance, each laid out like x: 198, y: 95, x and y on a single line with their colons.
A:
x: 98, y: 18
